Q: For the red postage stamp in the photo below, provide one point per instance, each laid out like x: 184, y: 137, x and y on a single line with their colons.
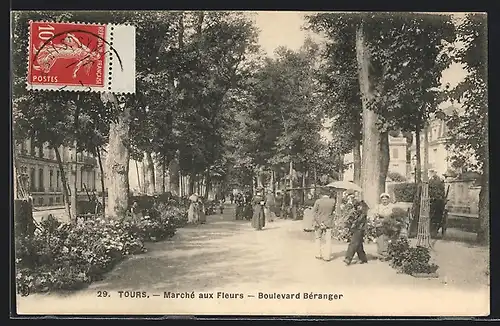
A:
x: 81, y: 57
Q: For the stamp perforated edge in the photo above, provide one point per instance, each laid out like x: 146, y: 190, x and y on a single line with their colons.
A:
x: 77, y: 89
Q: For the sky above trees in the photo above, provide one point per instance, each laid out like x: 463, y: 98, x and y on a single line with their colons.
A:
x: 283, y: 28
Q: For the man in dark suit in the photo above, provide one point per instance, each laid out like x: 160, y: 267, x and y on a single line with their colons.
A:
x: 358, y: 233
x: 323, y: 210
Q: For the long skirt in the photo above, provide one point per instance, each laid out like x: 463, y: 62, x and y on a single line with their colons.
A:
x: 247, y: 212
x: 202, y: 218
x: 258, y: 218
x: 239, y: 212
x: 269, y: 214
x: 382, y: 245
x: 308, y: 220
x: 193, y: 215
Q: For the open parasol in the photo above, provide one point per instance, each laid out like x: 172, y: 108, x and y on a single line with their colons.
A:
x: 346, y: 185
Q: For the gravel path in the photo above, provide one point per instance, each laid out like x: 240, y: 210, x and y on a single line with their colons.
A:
x: 230, y: 257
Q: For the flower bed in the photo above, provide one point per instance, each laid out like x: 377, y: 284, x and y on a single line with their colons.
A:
x: 61, y: 256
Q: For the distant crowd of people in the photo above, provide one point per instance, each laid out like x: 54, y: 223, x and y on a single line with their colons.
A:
x: 264, y: 206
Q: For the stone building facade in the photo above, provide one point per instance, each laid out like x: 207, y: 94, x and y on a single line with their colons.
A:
x: 40, y: 176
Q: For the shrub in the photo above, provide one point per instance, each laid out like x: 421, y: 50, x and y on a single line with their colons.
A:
x: 397, y: 252
x: 396, y: 177
x: 159, y: 223
x: 405, y: 192
x: 410, y: 260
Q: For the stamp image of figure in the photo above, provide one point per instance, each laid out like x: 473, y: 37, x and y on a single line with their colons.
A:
x: 67, y: 54
x: 81, y: 57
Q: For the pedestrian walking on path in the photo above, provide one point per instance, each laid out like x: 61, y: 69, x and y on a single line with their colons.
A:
x: 324, y: 209
x: 258, y: 218
x: 269, y: 207
x: 358, y: 233
x: 193, y: 211
x: 202, y: 215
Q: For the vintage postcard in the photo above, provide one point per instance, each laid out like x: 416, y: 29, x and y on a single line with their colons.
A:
x: 250, y: 163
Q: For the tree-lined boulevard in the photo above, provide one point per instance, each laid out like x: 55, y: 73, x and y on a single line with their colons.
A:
x: 211, y: 114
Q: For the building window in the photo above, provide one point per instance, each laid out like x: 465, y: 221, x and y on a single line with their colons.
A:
x: 58, y: 200
x: 40, y: 151
x: 40, y: 201
x: 22, y: 148
x: 58, y: 180
x: 395, y: 153
x: 51, y: 177
x: 81, y: 179
x: 51, y: 201
x: 32, y: 147
x: 41, y: 187
x: 32, y: 179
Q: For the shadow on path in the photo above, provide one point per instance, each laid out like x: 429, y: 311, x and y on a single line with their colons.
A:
x: 197, y: 257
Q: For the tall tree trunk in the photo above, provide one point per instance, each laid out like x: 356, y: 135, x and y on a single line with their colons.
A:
x: 370, y: 174
x: 150, y: 173
x: 64, y: 182
x: 273, y: 181
x: 174, y: 177
x: 118, y: 163
x: 145, y: 181
x: 409, y: 141
x: 180, y: 35
x: 138, y: 175
x: 101, y: 168
x: 315, y: 181
x: 340, y: 159
x: 199, y: 22
x: 483, y: 233
x: 15, y: 177
x: 291, y: 184
x: 303, y: 187
x: 208, y: 183
x: 384, y: 159
x: 163, y: 174
x: 418, y: 163
x: 74, y: 184
x: 181, y: 186
x: 191, y: 183
x: 356, y: 154
x: 425, y: 176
